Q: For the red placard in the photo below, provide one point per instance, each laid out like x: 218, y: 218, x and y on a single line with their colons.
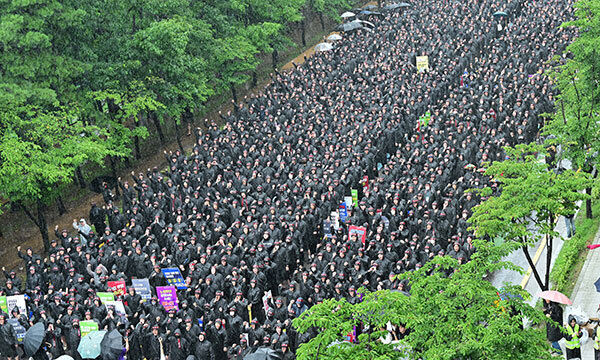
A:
x: 117, y: 287
x: 360, y: 231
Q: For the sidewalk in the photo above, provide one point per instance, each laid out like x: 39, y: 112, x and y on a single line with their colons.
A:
x: 585, y: 295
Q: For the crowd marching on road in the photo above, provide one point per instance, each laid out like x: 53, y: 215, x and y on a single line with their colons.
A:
x: 245, y: 233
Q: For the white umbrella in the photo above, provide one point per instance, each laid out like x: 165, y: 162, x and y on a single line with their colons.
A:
x: 334, y: 37
x: 363, y: 23
x: 323, y: 47
x: 347, y: 14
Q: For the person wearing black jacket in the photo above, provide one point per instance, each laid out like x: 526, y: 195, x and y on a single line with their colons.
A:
x: 8, y: 339
x: 204, y: 349
x: 152, y: 345
x: 553, y: 332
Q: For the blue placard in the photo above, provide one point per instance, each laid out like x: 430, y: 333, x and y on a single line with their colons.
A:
x: 19, y: 329
x: 343, y: 212
x: 174, y: 278
x: 142, y: 287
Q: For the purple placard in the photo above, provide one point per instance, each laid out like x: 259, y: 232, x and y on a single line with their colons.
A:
x: 167, y: 296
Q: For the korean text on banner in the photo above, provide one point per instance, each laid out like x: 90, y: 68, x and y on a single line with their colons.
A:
x: 142, y: 287
x: 422, y: 63
x: 17, y: 301
x: 105, y: 296
x: 117, y: 287
x: 173, y: 276
x: 360, y: 231
x: 87, y: 327
x: 167, y: 296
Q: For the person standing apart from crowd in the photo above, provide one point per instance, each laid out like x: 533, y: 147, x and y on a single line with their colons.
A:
x: 555, y: 313
x: 573, y: 337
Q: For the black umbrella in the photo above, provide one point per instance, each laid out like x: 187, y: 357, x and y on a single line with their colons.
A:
x: 263, y: 354
x: 33, y: 338
x: 111, y: 346
x: 500, y: 13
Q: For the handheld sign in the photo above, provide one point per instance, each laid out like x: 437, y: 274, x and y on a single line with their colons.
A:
x: 142, y: 287
x: 174, y: 278
x: 343, y: 212
x: 360, y: 231
x: 167, y: 296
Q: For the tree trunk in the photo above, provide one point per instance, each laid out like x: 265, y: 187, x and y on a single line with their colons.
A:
x: 549, y: 254
x: 322, y: 21
x: 254, y: 78
x: 177, y: 134
x: 42, y: 225
x: 588, y: 204
x: 113, y: 168
x: 275, y: 58
x: 156, y: 121
x: 136, y: 139
x: 303, y: 31
x: 80, y: 177
x: 533, y: 268
x: 234, y: 93
x: 61, y: 206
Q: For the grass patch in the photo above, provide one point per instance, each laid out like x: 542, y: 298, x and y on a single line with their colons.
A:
x: 572, y: 256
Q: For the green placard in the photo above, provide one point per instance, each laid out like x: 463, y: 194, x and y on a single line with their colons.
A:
x: 87, y: 327
x: 3, y: 306
x: 354, y: 193
x: 106, y: 296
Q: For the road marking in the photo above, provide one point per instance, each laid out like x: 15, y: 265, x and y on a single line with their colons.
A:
x: 537, y: 256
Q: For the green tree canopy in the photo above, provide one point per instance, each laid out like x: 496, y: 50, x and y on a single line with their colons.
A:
x: 452, y: 313
x: 529, y: 198
x: 575, y: 124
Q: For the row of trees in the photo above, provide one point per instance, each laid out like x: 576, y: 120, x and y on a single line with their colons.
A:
x: 79, y: 80
x: 453, y: 312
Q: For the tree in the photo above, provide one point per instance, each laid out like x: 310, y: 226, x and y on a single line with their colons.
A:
x: 575, y: 123
x: 39, y: 152
x: 530, y: 197
x: 33, y: 70
x: 452, y: 313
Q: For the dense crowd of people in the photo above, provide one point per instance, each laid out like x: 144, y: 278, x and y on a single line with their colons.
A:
x: 249, y: 211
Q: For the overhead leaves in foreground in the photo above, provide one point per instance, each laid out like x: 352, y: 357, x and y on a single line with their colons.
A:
x: 453, y: 313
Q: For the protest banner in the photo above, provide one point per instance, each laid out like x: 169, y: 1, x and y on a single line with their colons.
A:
x: 268, y: 295
x: 17, y: 301
x: 3, y: 304
x: 360, y: 231
x: 365, y: 183
x: 19, y: 329
x: 105, y: 296
x: 327, y: 228
x: 117, y: 287
x: 118, y: 306
x: 422, y: 63
x: 348, y: 200
x: 87, y: 326
x: 173, y: 276
x: 354, y: 193
x: 167, y: 296
x: 343, y: 212
x: 335, y: 220
x: 142, y: 287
